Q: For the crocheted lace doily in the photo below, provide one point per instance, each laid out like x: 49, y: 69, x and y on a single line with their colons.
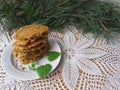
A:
x: 86, y: 64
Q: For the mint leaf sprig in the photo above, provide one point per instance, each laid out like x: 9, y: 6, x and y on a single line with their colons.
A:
x: 43, y: 70
x: 32, y: 66
x: 53, y: 55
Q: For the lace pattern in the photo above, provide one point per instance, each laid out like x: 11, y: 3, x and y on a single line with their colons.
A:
x: 86, y: 64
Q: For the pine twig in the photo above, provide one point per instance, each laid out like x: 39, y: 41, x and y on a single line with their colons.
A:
x: 104, y: 27
x: 98, y: 18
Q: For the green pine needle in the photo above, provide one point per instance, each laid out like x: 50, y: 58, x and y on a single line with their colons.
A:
x: 93, y: 16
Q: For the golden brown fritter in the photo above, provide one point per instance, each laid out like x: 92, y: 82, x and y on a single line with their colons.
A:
x: 31, y: 43
x: 27, y: 50
x: 30, y: 32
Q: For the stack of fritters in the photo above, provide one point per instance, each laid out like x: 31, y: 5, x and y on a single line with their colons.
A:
x: 31, y: 43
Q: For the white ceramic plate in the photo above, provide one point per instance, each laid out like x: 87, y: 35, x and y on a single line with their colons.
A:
x: 14, y: 70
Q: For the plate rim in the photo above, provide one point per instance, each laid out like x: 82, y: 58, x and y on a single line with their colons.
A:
x: 8, y: 49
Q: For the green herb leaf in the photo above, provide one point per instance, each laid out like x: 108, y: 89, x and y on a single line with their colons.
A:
x: 32, y: 66
x: 52, y: 55
x: 43, y: 70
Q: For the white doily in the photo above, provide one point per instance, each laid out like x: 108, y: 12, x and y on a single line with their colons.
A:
x: 91, y: 63
x: 86, y: 64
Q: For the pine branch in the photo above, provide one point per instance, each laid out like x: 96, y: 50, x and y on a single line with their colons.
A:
x: 99, y: 18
